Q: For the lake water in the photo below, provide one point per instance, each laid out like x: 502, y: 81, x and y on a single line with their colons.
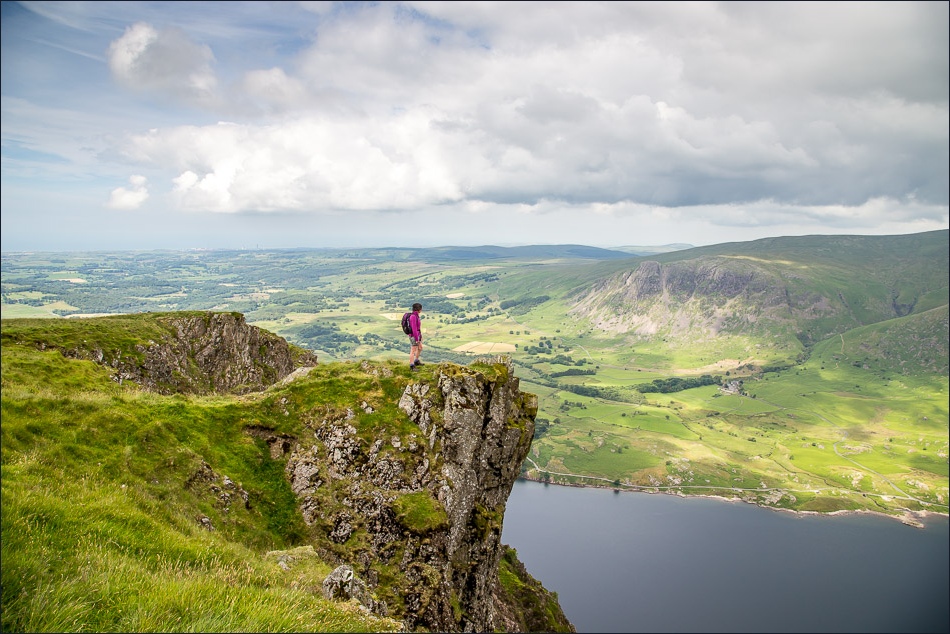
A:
x: 635, y: 562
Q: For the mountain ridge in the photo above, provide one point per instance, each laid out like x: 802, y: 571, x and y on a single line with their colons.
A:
x: 810, y: 289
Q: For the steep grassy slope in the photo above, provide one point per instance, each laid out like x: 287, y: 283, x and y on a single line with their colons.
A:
x: 100, y: 531
x: 128, y: 510
x: 913, y: 345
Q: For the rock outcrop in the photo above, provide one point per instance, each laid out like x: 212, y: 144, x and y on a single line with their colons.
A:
x: 704, y: 296
x: 199, y: 353
x: 419, y: 502
x: 217, y: 352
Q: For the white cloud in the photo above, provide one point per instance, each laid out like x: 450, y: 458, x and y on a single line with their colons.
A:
x: 274, y: 89
x: 165, y: 62
x: 386, y: 111
x: 736, y: 116
x: 128, y: 199
x: 307, y: 165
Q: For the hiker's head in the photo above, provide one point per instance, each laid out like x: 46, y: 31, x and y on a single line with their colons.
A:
x: 417, y: 307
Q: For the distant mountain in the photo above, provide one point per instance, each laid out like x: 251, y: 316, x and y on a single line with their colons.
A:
x: 652, y: 250
x: 485, y: 252
x: 777, y: 290
x: 532, y: 252
x: 546, y: 252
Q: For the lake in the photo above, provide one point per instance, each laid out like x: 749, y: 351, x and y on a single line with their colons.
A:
x: 636, y: 562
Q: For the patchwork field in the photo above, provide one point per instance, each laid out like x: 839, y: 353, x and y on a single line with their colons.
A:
x: 481, y: 347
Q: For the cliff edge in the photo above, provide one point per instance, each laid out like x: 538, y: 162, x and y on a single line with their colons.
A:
x: 394, y: 482
x: 421, y: 500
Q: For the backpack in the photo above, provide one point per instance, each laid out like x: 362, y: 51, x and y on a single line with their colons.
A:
x: 406, y: 328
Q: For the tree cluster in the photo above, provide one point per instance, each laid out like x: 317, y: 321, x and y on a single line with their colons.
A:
x: 677, y: 384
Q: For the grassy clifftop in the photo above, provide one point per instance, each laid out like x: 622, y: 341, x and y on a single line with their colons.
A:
x: 124, y: 509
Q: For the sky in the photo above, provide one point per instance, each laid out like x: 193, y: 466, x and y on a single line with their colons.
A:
x: 210, y: 125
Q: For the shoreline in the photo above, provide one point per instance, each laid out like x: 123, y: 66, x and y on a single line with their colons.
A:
x: 907, y: 517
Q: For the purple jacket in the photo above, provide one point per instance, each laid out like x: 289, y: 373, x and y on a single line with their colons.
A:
x: 416, y: 325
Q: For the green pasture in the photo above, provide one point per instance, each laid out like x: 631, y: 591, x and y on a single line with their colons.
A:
x: 19, y: 311
x: 608, y: 460
x: 792, y: 438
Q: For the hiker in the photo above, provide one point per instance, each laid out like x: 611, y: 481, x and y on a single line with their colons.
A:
x: 415, y: 337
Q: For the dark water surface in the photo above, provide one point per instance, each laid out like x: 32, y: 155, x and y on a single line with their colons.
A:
x: 635, y: 562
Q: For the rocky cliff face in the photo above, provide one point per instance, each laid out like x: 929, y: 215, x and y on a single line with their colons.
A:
x: 201, y: 353
x: 705, y: 296
x: 416, y: 506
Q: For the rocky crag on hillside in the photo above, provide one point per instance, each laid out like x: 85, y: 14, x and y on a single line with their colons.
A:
x: 406, y: 499
x: 703, y: 296
x: 196, y: 353
x: 710, y: 296
x: 422, y: 506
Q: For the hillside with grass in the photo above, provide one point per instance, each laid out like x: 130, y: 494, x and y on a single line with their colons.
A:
x: 777, y: 295
x: 131, y: 506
